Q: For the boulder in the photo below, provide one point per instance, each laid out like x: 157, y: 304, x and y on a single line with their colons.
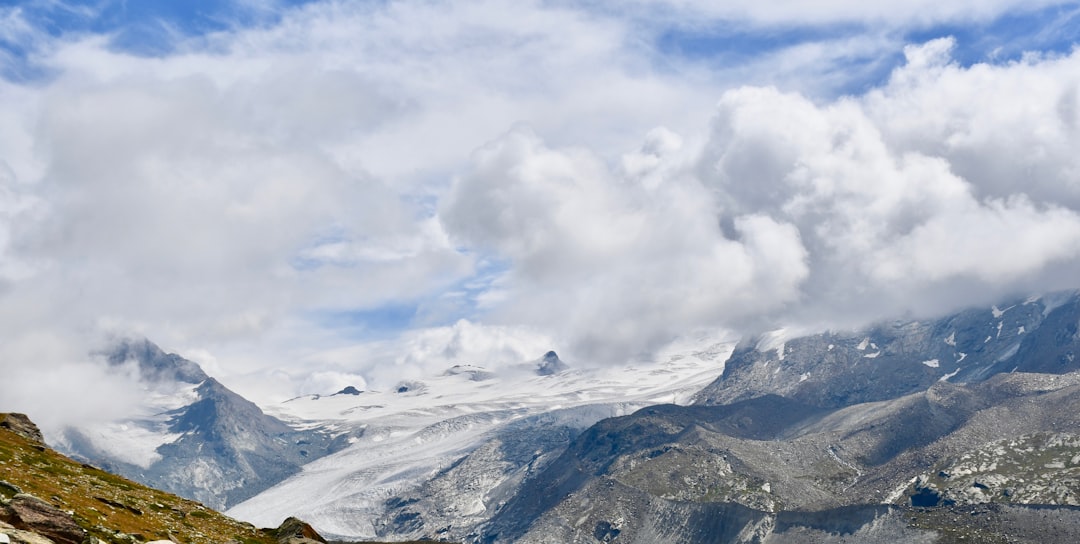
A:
x: 30, y: 513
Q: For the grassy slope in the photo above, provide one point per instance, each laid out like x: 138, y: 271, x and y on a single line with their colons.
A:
x: 104, y: 503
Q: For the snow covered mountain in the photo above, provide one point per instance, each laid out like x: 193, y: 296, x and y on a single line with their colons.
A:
x: 194, y: 436
x: 438, y: 456
x: 799, y: 437
x: 839, y: 437
x: 776, y: 436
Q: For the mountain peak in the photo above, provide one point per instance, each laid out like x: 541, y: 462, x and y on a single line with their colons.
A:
x: 154, y: 364
x: 550, y: 364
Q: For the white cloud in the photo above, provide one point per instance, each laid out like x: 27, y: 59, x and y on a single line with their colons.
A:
x: 947, y: 186
x: 616, y: 263
x: 224, y: 197
x: 893, y: 14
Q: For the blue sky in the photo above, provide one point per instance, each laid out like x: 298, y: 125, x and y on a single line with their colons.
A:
x: 272, y: 182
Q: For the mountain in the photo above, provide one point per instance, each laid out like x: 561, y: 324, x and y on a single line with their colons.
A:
x: 772, y: 469
x: 835, y: 369
x: 963, y: 428
x: 196, y: 437
x: 958, y: 429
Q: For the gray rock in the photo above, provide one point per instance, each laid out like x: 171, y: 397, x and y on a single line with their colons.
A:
x: 29, y: 513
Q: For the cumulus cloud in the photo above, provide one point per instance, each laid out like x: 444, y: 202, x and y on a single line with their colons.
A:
x: 944, y: 178
x: 828, y: 214
x: 225, y: 197
x: 616, y: 261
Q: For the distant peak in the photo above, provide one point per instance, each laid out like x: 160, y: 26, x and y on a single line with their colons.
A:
x: 550, y: 364
x: 349, y: 390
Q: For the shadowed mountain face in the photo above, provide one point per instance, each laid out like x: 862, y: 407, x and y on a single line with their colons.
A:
x: 838, y: 369
x: 218, y: 447
x: 770, y: 469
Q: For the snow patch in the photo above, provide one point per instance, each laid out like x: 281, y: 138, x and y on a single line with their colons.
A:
x: 862, y: 345
x: 949, y: 376
x: 872, y: 355
x: 951, y: 340
x: 932, y: 363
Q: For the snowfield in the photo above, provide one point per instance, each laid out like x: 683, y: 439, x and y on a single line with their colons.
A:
x: 403, y: 437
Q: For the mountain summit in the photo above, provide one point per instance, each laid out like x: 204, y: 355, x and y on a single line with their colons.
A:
x: 550, y: 364
x: 196, y: 437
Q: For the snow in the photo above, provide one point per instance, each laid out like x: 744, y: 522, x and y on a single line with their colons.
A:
x: 948, y: 376
x: 951, y: 340
x: 408, y: 438
x: 862, y: 345
x: 135, y: 440
x: 932, y: 363
x: 873, y: 355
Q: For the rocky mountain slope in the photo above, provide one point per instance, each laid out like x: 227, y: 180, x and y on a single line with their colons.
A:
x: 836, y: 369
x: 768, y: 469
x: 196, y: 438
x: 46, y: 498
x: 880, y: 435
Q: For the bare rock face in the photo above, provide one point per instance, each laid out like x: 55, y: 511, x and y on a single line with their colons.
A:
x: 29, y: 513
x: 21, y: 425
x: 295, y: 531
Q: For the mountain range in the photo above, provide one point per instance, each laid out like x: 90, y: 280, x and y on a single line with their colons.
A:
x: 961, y: 428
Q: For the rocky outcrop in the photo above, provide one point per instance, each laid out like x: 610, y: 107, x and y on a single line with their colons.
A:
x: 29, y: 513
x: 21, y: 425
x: 296, y: 531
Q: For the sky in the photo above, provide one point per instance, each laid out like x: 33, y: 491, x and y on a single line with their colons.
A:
x: 302, y: 195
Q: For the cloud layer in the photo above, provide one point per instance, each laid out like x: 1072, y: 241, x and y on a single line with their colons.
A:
x: 516, y: 177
